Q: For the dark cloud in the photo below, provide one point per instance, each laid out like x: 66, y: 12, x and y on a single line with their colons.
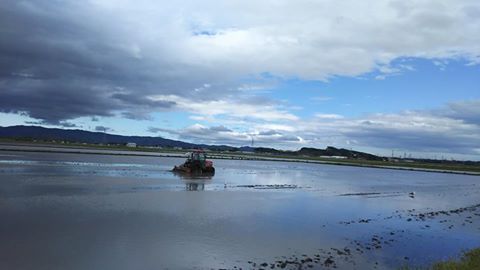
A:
x: 68, y: 124
x: 34, y: 122
x: 51, y: 67
x: 220, y: 129
x: 269, y: 132
x: 135, y: 99
x: 468, y: 111
x: 62, y: 60
x: 284, y: 138
x: 453, y: 129
x: 166, y: 130
x: 201, y: 134
x: 414, y: 140
x: 199, y: 131
x: 54, y: 101
x: 103, y: 128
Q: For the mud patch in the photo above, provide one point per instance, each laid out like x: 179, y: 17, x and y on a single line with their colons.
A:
x: 283, y: 186
x: 360, y: 194
x: 321, y: 259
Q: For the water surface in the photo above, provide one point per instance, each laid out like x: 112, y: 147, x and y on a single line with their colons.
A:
x: 82, y: 211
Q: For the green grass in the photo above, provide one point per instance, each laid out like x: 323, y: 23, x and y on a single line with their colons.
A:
x: 469, y: 261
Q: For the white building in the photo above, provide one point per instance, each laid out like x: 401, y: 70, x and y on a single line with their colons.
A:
x: 131, y: 144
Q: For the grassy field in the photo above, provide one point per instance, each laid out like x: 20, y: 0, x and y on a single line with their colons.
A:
x: 469, y: 261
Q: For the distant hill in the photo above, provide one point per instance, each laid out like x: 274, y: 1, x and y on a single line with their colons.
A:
x: 82, y: 136
x: 332, y: 151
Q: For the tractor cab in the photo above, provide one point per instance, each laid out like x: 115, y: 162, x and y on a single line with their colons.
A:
x: 197, y: 156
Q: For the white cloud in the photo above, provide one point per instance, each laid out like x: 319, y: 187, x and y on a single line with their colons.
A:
x: 328, y: 116
x: 452, y: 130
x: 232, y: 108
x: 212, y: 50
x: 209, y: 58
x: 306, y: 39
x: 272, y: 126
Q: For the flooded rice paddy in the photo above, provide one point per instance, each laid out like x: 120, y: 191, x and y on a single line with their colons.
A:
x: 82, y: 211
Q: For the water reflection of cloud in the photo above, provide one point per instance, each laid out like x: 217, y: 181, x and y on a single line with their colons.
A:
x: 153, y: 220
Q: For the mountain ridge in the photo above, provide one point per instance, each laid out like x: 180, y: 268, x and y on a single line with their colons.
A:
x: 21, y: 132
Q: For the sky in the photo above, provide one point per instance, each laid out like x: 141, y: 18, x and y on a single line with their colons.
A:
x: 385, y: 77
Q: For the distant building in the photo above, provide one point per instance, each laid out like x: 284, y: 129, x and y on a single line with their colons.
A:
x: 337, y: 157
x: 131, y: 144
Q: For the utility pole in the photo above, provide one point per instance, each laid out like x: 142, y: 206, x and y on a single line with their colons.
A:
x: 104, y: 135
x: 253, y: 139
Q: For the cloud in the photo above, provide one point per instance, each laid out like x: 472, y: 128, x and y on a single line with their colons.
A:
x: 269, y: 132
x: 452, y: 129
x: 220, y: 129
x: 390, y: 69
x: 222, y: 135
x: 64, y: 124
x: 243, y: 109
x: 208, y: 135
x: 102, y: 128
x: 328, y: 116
x: 415, y: 131
x: 468, y: 111
x: 68, y: 124
x: 58, y: 64
x: 212, y: 60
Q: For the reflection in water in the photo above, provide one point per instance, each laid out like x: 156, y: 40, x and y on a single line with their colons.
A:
x: 195, y: 186
x: 68, y: 211
x: 193, y: 176
x: 193, y: 181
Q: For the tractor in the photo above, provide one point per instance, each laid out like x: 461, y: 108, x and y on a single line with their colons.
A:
x: 196, y: 163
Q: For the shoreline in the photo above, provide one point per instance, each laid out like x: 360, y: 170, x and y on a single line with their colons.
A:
x: 45, y: 148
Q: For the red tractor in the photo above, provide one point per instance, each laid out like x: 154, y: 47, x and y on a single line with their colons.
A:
x: 196, y: 163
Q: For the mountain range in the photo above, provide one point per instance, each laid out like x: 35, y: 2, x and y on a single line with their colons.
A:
x: 30, y: 133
